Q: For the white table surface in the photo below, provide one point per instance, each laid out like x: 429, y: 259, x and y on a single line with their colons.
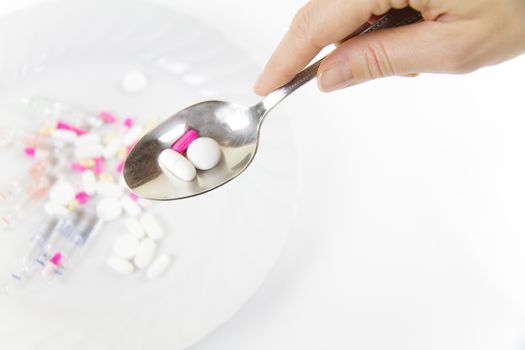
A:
x: 417, y: 239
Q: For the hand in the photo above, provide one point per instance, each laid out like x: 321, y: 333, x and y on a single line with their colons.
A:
x: 456, y: 37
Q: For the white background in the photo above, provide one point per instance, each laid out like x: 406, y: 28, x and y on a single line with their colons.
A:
x: 410, y: 231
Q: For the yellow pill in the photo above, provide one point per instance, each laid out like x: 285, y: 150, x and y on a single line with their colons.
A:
x: 46, y: 131
x: 88, y: 163
x: 122, y: 153
x: 106, y: 177
x: 72, y: 205
x: 109, y: 137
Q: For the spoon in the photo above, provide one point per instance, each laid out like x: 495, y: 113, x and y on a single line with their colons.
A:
x: 234, y: 127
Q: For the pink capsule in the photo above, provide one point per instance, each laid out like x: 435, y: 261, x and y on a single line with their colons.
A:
x: 56, y: 259
x: 99, y: 164
x: 66, y: 126
x: 128, y: 122
x: 134, y: 196
x: 108, y: 117
x: 82, y: 197
x: 120, y: 166
x: 78, y: 168
x: 29, y: 151
x: 181, y: 145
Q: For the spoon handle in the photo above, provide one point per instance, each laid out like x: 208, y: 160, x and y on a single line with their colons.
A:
x: 393, y: 18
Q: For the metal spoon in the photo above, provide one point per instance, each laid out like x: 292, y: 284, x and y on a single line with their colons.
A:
x: 234, y: 127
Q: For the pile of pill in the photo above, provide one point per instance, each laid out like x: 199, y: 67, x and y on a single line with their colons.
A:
x: 202, y: 153
x: 76, y: 178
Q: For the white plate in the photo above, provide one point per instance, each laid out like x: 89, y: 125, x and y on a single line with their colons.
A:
x: 224, y: 243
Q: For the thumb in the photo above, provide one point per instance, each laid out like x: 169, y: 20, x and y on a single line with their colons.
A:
x: 428, y: 46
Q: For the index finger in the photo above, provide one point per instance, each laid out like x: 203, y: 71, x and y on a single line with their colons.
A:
x: 318, y: 24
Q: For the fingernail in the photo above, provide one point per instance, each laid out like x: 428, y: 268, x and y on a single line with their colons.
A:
x: 336, y: 77
x: 257, y: 85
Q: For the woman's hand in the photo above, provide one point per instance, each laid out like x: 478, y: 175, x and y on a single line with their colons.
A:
x: 456, y: 37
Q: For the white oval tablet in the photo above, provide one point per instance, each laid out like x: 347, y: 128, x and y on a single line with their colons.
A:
x: 63, y: 135
x: 132, y: 135
x: 109, y: 189
x: 130, y: 206
x: 126, y: 246
x: 145, y: 253
x: 112, y: 148
x: 158, y: 266
x: 109, y: 209
x: 89, y: 182
x: 134, y: 228
x: 204, y: 153
x: 120, y: 265
x: 174, y: 163
x: 52, y: 208
x: 152, y: 226
x: 62, y: 193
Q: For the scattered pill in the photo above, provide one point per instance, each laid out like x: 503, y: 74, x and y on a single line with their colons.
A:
x: 158, y: 266
x: 181, y: 145
x: 66, y: 136
x: 174, y: 163
x: 130, y: 206
x: 109, y: 209
x: 132, y: 135
x: 112, y: 148
x: 109, y: 189
x: 128, y: 122
x: 55, y: 209
x: 82, y: 197
x: 134, y: 82
x: 134, y: 227
x: 204, y: 153
x: 89, y: 182
x: 145, y: 253
x: 62, y: 192
x: 107, y: 177
x: 120, y: 265
x: 89, y: 150
x: 107, y: 117
x: 152, y: 226
x: 126, y: 246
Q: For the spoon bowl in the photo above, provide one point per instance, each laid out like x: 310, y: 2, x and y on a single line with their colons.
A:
x: 234, y: 127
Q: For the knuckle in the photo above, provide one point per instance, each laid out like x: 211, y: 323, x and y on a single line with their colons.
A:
x: 378, y: 61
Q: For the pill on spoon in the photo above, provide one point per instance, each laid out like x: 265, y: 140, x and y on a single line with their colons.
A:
x: 151, y: 226
x: 158, y: 266
x: 145, y: 253
x: 120, y: 265
x: 126, y: 246
x: 204, y: 153
x: 174, y: 163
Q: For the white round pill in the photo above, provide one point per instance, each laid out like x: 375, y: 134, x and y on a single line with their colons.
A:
x: 152, y: 226
x: 109, y: 209
x: 174, y: 163
x: 62, y: 193
x: 126, y: 246
x: 145, y: 253
x: 134, y: 82
x: 204, y: 153
x: 130, y: 206
x: 158, y: 266
x: 120, y: 265
x: 134, y: 227
x: 89, y: 182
